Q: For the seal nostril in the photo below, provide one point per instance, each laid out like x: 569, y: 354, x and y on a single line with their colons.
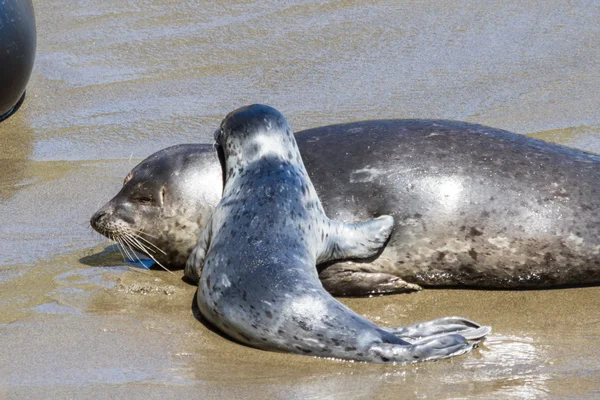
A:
x: 96, y: 218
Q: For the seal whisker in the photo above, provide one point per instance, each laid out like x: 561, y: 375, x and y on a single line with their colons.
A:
x: 128, y: 247
x: 138, y: 259
x: 122, y: 249
x: 149, y: 242
x: 135, y: 242
x: 142, y: 232
x: 125, y: 249
x: 118, y: 247
x: 121, y: 246
x: 131, y: 245
x: 162, y: 266
x: 116, y: 240
x: 125, y: 233
x: 131, y: 241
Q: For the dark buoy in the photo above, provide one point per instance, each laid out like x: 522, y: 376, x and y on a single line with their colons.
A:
x: 17, y: 52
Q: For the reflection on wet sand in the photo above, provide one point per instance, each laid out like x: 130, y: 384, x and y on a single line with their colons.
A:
x: 137, y: 327
x: 16, y: 146
x: 48, y: 210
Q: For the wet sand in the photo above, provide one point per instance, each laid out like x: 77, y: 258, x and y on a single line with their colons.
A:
x: 116, y: 81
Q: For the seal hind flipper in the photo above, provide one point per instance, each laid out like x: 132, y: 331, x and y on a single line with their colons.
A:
x: 435, y: 348
x: 441, y: 326
x: 361, y: 279
x: 358, y: 240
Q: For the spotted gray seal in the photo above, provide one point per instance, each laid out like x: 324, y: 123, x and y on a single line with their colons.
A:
x: 473, y: 206
x: 255, y: 260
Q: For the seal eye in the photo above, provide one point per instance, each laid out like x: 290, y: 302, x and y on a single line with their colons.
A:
x: 143, y: 199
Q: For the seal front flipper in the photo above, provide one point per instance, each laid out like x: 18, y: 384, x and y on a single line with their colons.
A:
x: 442, y: 326
x: 358, y: 240
x: 362, y: 279
x: 193, y: 267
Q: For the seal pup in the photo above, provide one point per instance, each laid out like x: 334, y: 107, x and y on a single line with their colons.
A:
x: 255, y: 259
x: 473, y: 206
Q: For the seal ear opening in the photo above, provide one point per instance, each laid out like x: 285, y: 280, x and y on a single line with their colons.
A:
x: 163, y: 193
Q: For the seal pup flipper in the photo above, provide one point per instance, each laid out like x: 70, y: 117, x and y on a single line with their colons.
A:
x: 436, y: 348
x: 193, y: 267
x: 358, y: 240
x: 442, y: 326
x: 362, y: 279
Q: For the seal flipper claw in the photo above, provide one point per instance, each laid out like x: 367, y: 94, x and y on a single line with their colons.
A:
x: 358, y: 240
x: 442, y: 326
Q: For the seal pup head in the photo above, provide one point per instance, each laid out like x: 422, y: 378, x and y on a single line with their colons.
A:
x: 253, y: 132
x: 163, y: 204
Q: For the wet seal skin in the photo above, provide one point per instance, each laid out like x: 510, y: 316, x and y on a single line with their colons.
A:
x: 256, y: 258
x: 473, y: 206
x: 18, y: 42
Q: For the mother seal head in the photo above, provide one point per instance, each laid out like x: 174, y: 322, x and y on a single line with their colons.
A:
x: 255, y: 260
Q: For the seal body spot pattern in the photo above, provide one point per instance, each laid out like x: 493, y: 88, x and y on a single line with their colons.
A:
x: 272, y: 297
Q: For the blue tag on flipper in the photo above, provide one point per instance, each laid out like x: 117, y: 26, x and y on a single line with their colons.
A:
x: 142, y: 262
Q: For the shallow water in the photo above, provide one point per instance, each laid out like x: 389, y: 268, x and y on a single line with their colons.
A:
x: 115, y: 81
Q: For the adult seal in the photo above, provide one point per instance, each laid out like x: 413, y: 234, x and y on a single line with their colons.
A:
x: 256, y: 258
x: 473, y: 206
x: 17, y: 53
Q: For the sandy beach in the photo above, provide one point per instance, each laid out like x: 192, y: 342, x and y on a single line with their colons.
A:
x: 116, y: 81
